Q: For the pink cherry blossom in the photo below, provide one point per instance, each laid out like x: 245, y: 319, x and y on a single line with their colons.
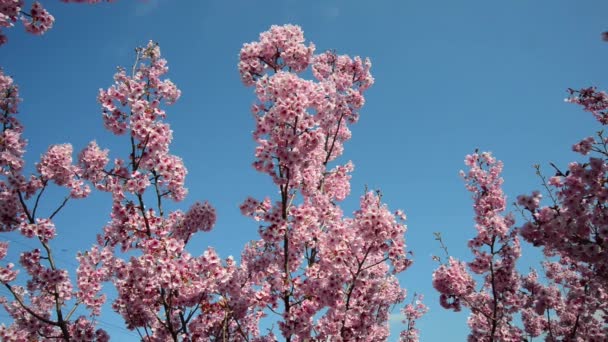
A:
x: 322, y: 274
x: 37, y: 20
x: 412, y: 312
x: 496, y: 249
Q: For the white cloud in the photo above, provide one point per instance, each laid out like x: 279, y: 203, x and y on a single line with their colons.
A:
x: 332, y: 11
x: 145, y: 7
x: 396, y: 318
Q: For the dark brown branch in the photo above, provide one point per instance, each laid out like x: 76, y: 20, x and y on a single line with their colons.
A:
x: 38, y: 198
x: 65, y: 200
x: 26, y: 308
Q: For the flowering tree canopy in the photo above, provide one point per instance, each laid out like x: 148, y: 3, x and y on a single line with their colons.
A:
x: 314, y: 272
x: 571, y: 304
x: 324, y: 275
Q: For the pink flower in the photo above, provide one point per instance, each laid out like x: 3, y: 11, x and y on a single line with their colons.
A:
x: 39, y: 20
x: 201, y: 216
x: 584, y: 146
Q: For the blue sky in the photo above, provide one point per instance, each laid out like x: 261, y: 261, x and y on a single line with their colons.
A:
x: 451, y: 76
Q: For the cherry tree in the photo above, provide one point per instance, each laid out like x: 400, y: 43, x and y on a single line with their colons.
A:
x: 315, y: 272
x: 496, y: 249
x: 163, y: 287
x: 44, y: 308
x: 570, y: 303
x: 573, y: 233
x: 575, y: 225
x: 323, y: 275
x: 326, y: 276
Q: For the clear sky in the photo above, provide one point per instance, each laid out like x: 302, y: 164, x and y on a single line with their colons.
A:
x: 451, y: 76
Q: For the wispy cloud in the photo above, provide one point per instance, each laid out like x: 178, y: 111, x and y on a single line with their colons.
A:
x: 145, y: 7
x: 332, y: 11
x: 396, y: 318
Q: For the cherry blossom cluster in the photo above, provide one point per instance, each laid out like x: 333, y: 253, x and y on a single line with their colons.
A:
x: 573, y: 230
x: 89, y: 277
x: 412, y: 313
x: 453, y: 283
x: 496, y: 249
x: 133, y: 104
x: 7, y: 274
x: 12, y: 148
x: 592, y: 101
x: 92, y: 161
x: 279, y: 48
x: 84, y: 330
x: 56, y: 165
x: 325, y: 276
x: 201, y: 216
x: 12, y: 145
x: 301, y: 125
x: 44, y: 307
x: 36, y: 21
x: 164, y: 292
x: 570, y: 303
x: 44, y: 229
x: 39, y: 20
x: 575, y: 226
x: 359, y: 257
x: 567, y: 306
